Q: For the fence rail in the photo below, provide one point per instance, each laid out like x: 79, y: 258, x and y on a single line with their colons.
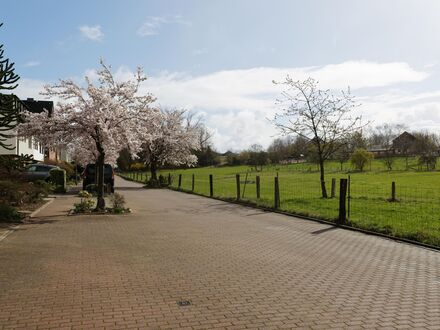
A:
x: 395, y: 210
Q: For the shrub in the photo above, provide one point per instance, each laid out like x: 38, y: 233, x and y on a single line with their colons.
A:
x: 11, y: 193
x: 58, y: 177
x: 35, y: 193
x: 9, y: 214
x: 18, y: 192
x: 85, y: 194
x: 12, y: 165
x: 157, y: 183
x: 428, y: 160
x: 44, y: 185
x: 360, y: 158
x: 118, y: 201
x: 84, y: 206
x: 137, y: 166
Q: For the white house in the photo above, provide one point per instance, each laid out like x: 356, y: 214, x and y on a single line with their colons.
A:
x: 28, y: 146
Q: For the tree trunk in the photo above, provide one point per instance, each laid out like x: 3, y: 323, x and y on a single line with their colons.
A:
x: 322, y: 178
x: 100, y: 205
x: 153, y: 170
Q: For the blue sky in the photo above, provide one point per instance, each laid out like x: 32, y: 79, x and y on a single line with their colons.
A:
x: 218, y: 58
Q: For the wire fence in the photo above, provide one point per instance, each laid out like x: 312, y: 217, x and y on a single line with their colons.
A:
x: 395, y: 210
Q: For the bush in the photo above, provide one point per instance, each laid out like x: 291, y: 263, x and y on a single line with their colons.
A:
x: 137, y: 166
x: 9, y: 214
x: 85, y: 194
x: 360, y: 158
x: 12, y: 165
x: 58, y: 177
x: 159, y: 183
x: 118, y: 201
x: 44, y: 185
x: 428, y: 160
x: 84, y: 206
x: 18, y: 193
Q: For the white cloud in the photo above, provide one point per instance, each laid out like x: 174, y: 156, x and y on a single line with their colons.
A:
x: 29, y: 88
x: 153, y: 24
x: 237, y: 103
x: 200, y: 51
x: 31, y: 64
x: 361, y: 74
x: 91, y: 32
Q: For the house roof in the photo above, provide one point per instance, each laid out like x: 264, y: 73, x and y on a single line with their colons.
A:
x: 404, y: 135
x: 36, y: 106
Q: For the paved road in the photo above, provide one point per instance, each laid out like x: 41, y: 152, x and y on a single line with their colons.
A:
x: 239, y: 268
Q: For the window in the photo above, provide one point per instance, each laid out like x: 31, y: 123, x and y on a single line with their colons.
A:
x: 30, y: 143
x: 43, y: 169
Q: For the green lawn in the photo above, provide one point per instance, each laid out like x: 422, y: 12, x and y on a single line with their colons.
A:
x: 415, y: 216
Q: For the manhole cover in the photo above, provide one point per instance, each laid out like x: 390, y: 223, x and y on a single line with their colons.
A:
x: 184, y: 303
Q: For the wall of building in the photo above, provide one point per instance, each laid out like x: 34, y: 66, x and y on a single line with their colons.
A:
x: 24, y: 146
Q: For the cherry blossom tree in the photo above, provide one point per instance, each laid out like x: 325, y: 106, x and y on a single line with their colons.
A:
x: 96, y: 121
x: 171, y: 139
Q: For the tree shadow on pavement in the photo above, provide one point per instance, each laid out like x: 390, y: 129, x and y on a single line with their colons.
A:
x: 321, y: 231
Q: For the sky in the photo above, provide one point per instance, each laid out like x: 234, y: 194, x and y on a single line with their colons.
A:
x: 218, y: 58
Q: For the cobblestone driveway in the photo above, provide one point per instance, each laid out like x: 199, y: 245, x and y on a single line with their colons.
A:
x: 239, y: 268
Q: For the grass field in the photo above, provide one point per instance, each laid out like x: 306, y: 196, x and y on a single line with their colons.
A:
x: 415, y: 216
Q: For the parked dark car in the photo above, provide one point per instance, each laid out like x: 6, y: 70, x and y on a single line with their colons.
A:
x: 36, y: 172
x: 90, y: 176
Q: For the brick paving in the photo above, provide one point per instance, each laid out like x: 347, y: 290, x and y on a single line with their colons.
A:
x: 239, y: 267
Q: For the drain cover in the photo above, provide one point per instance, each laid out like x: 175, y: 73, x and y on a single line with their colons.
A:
x: 184, y: 303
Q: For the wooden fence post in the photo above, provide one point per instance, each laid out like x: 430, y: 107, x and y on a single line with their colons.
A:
x: 333, y: 192
x: 277, y: 194
x: 257, y: 184
x: 180, y: 181
x: 211, y: 187
x: 342, y: 202
x: 193, y: 182
x: 348, y: 197
x: 237, y: 180
x: 393, y: 192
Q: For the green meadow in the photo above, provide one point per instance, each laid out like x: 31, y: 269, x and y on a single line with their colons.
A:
x: 415, y: 215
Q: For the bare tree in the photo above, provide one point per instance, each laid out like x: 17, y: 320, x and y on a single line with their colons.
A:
x: 318, y: 115
x: 427, y: 147
x: 205, y: 153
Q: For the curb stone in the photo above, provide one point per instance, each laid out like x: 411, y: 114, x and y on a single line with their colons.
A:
x: 48, y: 201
